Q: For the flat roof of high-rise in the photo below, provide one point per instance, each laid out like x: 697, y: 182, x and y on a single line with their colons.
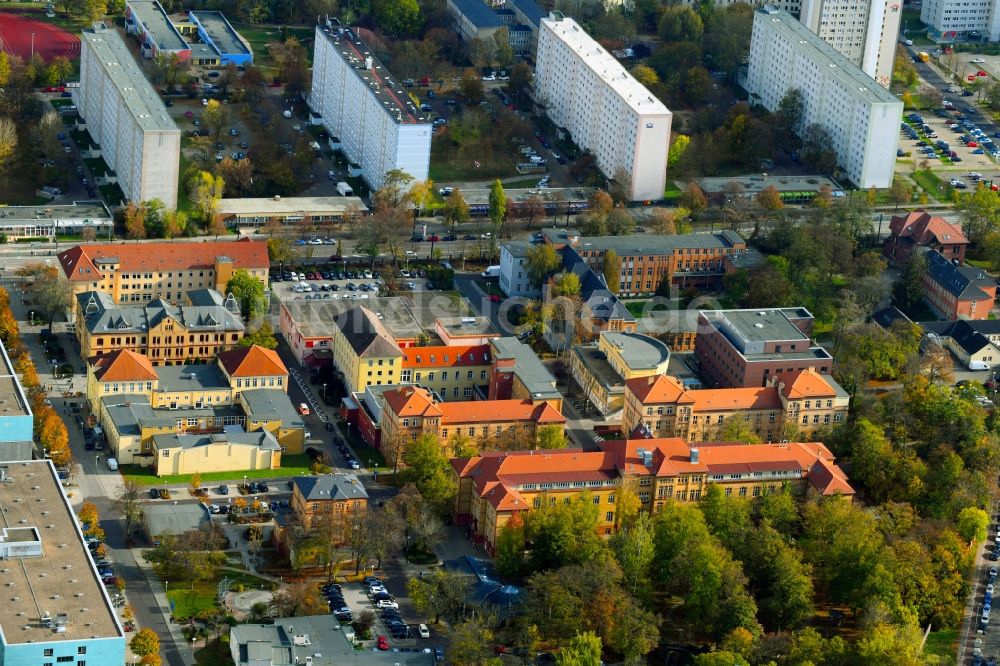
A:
x: 377, y: 78
x: 161, y: 30
x: 13, y: 401
x: 597, y: 58
x: 53, y: 594
x: 478, y: 13
x: 141, y: 101
x: 832, y: 60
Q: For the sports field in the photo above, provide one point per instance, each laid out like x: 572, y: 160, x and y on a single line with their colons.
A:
x: 20, y: 34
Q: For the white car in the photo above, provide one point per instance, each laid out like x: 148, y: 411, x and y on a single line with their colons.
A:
x: 375, y: 589
x: 489, y: 78
x: 423, y: 631
x: 368, y: 275
x: 411, y: 253
x: 979, y: 61
x: 386, y: 603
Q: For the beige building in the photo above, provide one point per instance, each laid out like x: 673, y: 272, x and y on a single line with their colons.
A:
x: 314, y: 497
x: 623, y: 124
x: 137, y: 273
x: 794, y: 407
x: 167, y: 334
x: 225, y: 452
x: 601, y: 368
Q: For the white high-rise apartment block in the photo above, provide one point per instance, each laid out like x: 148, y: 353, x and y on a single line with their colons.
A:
x: 861, y: 116
x: 124, y: 115
x: 366, y: 108
x: 587, y: 91
x: 865, y: 31
x: 962, y: 19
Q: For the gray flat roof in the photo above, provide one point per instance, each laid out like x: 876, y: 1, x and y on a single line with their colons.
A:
x: 639, y: 351
x: 318, y: 319
x: 650, y: 244
x: 531, y: 11
x: 822, y: 53
x: 467, y: 325
x: 266, y: 404
x: 758, y: 325
x: 129, y: 412
x: 174, y: 518
x: 597, y: 365
x: 77, y: 211
x: 527, y: 366
x: 63, y: 580
x: 190, y: 377
x: 158, y: 24
x: 13, y: 401
x: 478, y: 13
x: 521, y: 195
x: 303, y: 205
x: 754, y: 183
x: 140, y: 99
x: 221, y: 33
x: 379, y: 81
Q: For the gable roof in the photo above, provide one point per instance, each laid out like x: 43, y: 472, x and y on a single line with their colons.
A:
x: 658, y: 389
x: 806, y: 383
x: 923, y: 228
x: 442, y: 356
x: 123, y: 365
x: 367, y: 335
x: 102, y: 315
x: 337, y: 487
x: 82, y: 263
x: 408, y: 401
x: 963, y: 333
x: 963, y: 282
x: 253, y: 361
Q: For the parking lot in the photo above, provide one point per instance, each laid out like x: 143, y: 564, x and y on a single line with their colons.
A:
x: 363, y: 286
x: 390, y: 622
x: 941, y: 130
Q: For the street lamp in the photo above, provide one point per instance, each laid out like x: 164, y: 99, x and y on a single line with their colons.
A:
x: 324, y: 391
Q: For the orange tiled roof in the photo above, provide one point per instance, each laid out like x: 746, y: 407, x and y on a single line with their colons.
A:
x: 123, y: 365
x: 411, y: 401
x: 806, y: 384
x: 255, y: 361
x: 735, y: 399
x: 81, y: 263
x: 657, y: 389
x: 446, y: 357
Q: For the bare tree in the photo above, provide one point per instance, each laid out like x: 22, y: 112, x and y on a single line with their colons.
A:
x: 127, y: 504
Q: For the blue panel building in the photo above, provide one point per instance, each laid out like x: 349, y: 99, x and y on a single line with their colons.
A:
x: 16, y: 419
x: 57, y: 610
x: 214, y: 30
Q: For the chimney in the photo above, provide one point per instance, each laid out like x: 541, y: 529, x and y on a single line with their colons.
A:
x: 695, y: 453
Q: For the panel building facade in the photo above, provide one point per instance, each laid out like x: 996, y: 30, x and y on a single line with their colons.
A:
x: 865, y: 31
x: 124, y: 115
x: 861, y: 116
x: 363, y: 105
x: 623, y: 124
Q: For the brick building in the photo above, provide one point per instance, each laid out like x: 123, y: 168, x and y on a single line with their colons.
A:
x: 921, y: 229
x: 748, y: 347
x: 957, y: 292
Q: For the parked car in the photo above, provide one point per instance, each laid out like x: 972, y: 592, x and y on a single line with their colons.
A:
x: 382, y: 643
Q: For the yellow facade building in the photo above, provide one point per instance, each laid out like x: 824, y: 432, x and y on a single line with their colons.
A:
x: 495, y: 486
x: 137, y: 273
x: 167, y: 334
x: 364, y: 351
x: 243, y: 393
x: 601, y: 368
x: 451, y: 372
x: 797, y: 406
x: 188, y: 454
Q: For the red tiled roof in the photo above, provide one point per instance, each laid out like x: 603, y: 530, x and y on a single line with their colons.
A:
x: 254, y: 361
x: 658, y: 389
x: 922, y: 228
x: 735, y: 399
x: 123, y: 365
x: 81, y: 263
x: 417, y: 401
x: 411, y: 401
x: 446, y: 357
x: 806, y: 384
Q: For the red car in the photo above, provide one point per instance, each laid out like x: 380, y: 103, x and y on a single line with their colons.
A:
x: 382, y: 643
x: 972, y: 144
x: 494, y: 298
x: 433, y: 239
x: 48, y: 89
x: 275, y: 84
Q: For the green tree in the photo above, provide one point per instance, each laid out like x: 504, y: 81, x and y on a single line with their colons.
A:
x: 441, y: 594
x: 563, y: 533
x: 550, y: 437
x: 498, y: 206
x: 4, y: 68
x: 262, y: 337
x: 791, y: 111
x: 145, y: 642
x: 279, y: 250
x: 739, y: 428
x: 397, y: 17
x: 471, y: 643
x: 541, y: 262
x: 249, y: 294
x: 972, y: 523
x: 429, y: 470
x: 565, y: 284
x: 206, y: 191
x: 510, y: 547
x: 720, y: 658
x: 693, y: 198
x: 634, y: 550
x: 645, y: 75
x: 215, y: 116
x: 612, y: 271
x: 582, y: 650
x: 678, y: 146
x: 909, y: 288
x: 680, y: 23
x: 135, y: 220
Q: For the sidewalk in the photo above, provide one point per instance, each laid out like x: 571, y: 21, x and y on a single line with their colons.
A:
x: 163, y: 605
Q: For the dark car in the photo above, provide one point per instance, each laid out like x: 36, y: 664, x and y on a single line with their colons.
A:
x: 223, y: 490
x: 154, y: 493
x: 450, y: 237
x: 328, y: 426
x: 262, y: 487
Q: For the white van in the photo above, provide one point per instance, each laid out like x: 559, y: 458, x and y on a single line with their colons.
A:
x: 113, y: 464
x: 979, y: 365
x: 295, y: 276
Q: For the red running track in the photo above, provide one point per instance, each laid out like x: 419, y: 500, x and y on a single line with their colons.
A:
x: 50, y: 40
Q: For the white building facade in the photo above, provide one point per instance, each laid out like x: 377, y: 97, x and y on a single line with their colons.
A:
x: 363, y: 105
x: 861, y: 116
x: 514, y: 278
x: 124, y: 115
x: 864, y: 31
x: 586, y: 91
x: 962, y: 19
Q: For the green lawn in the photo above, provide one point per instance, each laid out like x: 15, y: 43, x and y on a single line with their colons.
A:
x: 635, y: 307
x: 930, y: 181
x: 447, y: 167
x: 943, y: 644
x: 187, y: 599
x: 291, y: 465
x: 260, y: 36
x: 183, y: 196
x: 671, y: 191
